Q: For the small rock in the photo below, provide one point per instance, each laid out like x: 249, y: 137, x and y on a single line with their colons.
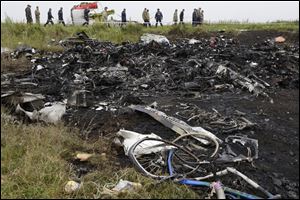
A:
x: 277, y: 182
x: 266, y: 119
x: 292, y: 153
x: 72, y: 186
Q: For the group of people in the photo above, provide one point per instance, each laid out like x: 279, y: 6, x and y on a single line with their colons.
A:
x: 38, y: 14
x: 159, y: 17
x: 175, y: 17
x: 197, y: 18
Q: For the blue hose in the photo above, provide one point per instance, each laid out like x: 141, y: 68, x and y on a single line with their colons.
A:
x: 207, y: 184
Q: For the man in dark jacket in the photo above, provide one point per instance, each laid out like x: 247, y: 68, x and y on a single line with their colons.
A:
x: 181, y: 16
x: 194, y: 17
x: 86, y: 17
x: 50, y: 17
x: 60, y: 16
x: 123, y: 16
x: 158, y: 17
x: 28, y: 14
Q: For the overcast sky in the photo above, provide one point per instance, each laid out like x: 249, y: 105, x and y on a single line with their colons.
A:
x: 253, y: 11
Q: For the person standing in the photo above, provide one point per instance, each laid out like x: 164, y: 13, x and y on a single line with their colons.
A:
x: 72, y: 15
x: 86, y: 16
x: 123, y: 16
x: 104, y: 16
x: 148, y: 18
x: 198, y: 16
x: 50, y: 17
x: 60, y: 16
x: 158, y: 17
x: 28, y: 14
x: 181, y: 16
x: 37, y: 15
x: 201, y: 17
x: 175, y: 17
x: 144, y: 16
x: 194, y: 17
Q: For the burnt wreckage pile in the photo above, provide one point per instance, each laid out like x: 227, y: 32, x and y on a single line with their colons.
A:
x: 98, y: 77
x: 102, y: 70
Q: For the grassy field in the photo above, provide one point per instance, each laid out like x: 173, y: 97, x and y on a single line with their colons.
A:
x: 36, y: 163
x: 14, y: 34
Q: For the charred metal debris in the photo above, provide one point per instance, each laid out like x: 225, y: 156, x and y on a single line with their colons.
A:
x: 100, y: 76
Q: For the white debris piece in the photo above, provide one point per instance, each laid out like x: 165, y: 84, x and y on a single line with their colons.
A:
x: 194, y: 41
x: 175, y: 124
x: 126, y: 185
x: 39, y: 67
x: 144, y: 86
x: 100, y: 108
x: 103, y: 103
x: 50, y: 114
x: 253, y: 64
x: 147, y: 38
x: 147, y: 147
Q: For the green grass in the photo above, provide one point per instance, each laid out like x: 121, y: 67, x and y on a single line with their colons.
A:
x: 35, y: 163
x: 14, y: 34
